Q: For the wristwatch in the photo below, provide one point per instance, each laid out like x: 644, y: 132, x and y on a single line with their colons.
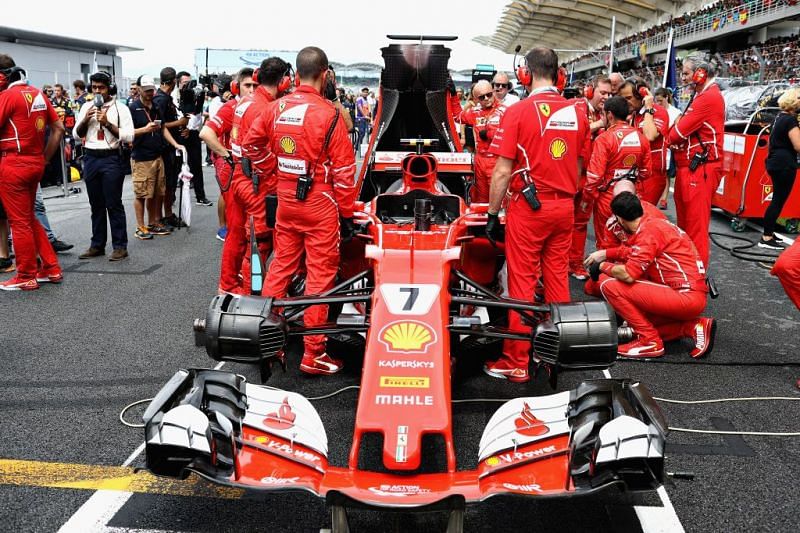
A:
x: 651, y: 111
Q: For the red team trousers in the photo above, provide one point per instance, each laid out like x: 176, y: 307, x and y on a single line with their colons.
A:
x: 19, y: 178
x: 235, y: 246
x: 693, y: 192
x: 654, y: 311
x: 653, y: 187
x: 787, y: 269
x: 536, y: 245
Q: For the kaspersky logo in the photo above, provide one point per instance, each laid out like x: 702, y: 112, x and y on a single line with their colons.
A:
x: 407, y: 336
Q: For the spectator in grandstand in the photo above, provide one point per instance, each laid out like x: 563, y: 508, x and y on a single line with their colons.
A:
x: 79, y: 87
x: 502, y: 86
x: 784, y: 145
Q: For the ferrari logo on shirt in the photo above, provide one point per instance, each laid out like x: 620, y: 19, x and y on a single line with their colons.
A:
x: 545, y: 109
x: 558, y: 148
x: 620, y: 135
x: 288, y: 145
x: 28, y: 98
x: 407, y: 337
x: 281, y: 106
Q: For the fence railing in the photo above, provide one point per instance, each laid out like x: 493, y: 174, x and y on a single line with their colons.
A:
x: 699, y: 28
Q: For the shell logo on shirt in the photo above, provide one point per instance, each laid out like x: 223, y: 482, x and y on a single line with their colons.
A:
x: 40, y: 124
x: 545, y: 109
x: 288, y: 145
x: 234, y: 133
x: 629, y: 160
x: 558, y: 148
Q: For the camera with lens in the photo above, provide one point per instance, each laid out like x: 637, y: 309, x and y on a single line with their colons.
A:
x: 191, y: 98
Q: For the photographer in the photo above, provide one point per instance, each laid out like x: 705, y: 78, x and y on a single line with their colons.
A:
x: 173, y: 121
x: 192, y: 98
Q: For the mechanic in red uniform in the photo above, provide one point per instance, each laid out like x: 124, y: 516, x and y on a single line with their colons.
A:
x: 216, y: 134
x: 614, y: 234
x: 595, y: 95
x: 620, y: 151
x: 787, y: 270
x: 484, y: 119
x: 696, y: 139
x: 24, y: 114
x: 274, y: 78
x: 540, y: 146
x: 660, y: 289
x: 653, y: 121
x: 316, y: 192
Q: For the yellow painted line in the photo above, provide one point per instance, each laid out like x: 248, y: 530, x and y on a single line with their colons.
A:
x: 96, y: 477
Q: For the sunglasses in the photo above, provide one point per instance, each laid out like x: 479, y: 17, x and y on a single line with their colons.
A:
x: 485, y: 96
x: 502, y: 85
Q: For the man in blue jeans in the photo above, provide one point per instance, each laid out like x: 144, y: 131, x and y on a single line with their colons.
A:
x: 103, y: 127
x: 362, y: 116
x: 41, y: 215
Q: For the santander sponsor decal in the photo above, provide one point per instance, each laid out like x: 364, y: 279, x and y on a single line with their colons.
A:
x: 283, y: 418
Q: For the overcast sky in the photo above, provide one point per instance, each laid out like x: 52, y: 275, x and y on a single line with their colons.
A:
x: 349, y: 32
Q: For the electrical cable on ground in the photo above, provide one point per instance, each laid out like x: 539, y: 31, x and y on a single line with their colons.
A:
x: 740, y: 251
x: 125, y: 409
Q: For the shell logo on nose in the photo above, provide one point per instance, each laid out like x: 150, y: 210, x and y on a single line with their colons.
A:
x: 407, y: 337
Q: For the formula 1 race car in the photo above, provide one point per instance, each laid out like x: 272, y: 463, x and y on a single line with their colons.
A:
x: 413, y: 280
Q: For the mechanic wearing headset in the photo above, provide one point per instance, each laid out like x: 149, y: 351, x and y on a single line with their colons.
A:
x: 485, y: 119
x: 103, y: 128
x: 216, y: 133
x: 615, y: 236
x: 619, y: 152
x: 540, y: 146
x: 316, y: 192
x: 660, y: 289
x: 696, y: 139
x: 595, y: 95
x: 249, y: 196
x: 653, y: 121
x: 24, y: 114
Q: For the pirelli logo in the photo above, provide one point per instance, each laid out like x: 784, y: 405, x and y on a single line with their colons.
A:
x: 405, y: 382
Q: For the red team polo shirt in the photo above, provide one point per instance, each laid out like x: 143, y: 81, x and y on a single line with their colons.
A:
x: 544, y: 134
x: 24, y: 114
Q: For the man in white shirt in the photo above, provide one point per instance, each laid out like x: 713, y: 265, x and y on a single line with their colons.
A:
x: 502, y: 85
x: 103, y: 123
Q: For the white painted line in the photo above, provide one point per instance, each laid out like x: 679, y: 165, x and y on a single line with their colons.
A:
x: 657, y: 519
x: 93, y: 516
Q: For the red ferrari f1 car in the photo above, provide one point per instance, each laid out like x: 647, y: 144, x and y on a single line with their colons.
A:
x: 414, y: 276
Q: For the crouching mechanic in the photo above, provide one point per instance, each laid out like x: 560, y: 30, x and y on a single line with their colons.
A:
x: 484, y: 119
x: 660, y: 290
x: 616, y: 237
x: 216, y: 133
x: 24, y: 114
x: 316, y: 192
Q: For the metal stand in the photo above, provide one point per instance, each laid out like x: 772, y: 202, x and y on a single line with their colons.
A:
x: 67, y: 191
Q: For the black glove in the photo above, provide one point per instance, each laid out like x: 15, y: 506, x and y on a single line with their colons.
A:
x: 451, y: 86
x: 494, y: 230
x: 594, y: 271
x: 347, y: 229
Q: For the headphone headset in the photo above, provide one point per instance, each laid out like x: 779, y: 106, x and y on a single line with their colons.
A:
x: 561, y: 79
x: 286, y: 81
x: 521, y: 70
x: 109, y: 81
x: 700, y: 75
x: 640, y: 88
x: 588, y: 91
x: 234, y: 87
x: 6, y: 73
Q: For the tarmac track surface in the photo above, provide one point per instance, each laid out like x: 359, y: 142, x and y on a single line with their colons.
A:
x: 72, y: 356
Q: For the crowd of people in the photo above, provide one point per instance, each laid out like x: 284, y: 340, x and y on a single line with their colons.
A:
x: 286, y: 168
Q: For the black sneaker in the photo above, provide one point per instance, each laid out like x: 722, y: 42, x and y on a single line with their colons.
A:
x: 204, y: 201
x: 771, y: 244
x: 6, y: 264
x: 60, y: 246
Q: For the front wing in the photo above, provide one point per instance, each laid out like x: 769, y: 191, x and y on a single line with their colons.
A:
x: 601, y: 434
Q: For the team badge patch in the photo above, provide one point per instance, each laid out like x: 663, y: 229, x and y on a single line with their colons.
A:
x: 545, y: 109
x: 28, y: 98
x: 620, y: 135
x: 629, y: 160
x: 234, y: 133
x: 40, y: 124
x: 281, y: 106
x: 558, y: 148
x: 288, y: 145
